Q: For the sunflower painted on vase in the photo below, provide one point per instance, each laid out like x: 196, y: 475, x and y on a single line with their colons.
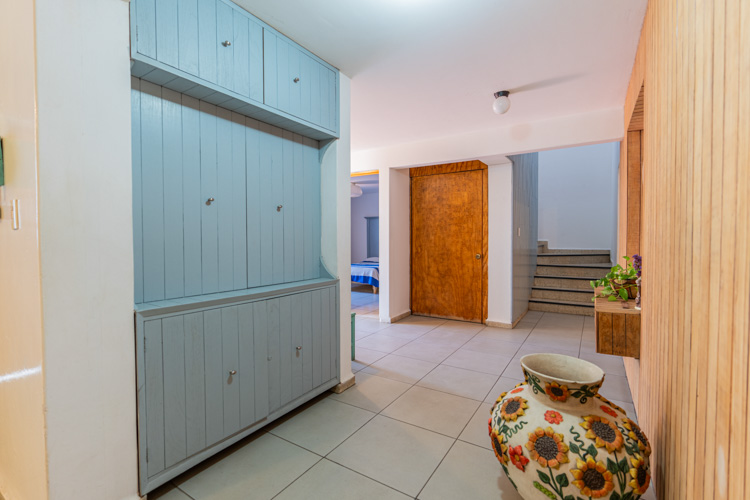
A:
x: 557, y: 438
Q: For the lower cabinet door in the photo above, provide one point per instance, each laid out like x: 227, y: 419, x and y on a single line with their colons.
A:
x: 208, y: 374
x: 201, y: 381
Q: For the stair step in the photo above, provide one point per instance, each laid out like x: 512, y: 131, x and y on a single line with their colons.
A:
x: 591, y: 265
x: 560, y: 289
x: 562, y: 294
x: 572, y: 258
x: 576, y: 309
x: 566, y: 253
x: 573, y: 282
x: 573, y: 270
x: 590, y: 305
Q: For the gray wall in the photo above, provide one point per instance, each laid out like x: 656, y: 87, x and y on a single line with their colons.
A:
x: 525, y: 219
x: 364, y: 206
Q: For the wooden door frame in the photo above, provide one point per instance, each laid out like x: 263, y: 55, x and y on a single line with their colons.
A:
x: 450, y: 168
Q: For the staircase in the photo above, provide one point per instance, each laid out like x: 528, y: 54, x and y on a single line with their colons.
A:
x: 561, y: 282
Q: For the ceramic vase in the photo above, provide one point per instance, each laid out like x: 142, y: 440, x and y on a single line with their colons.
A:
x: 557, y: 438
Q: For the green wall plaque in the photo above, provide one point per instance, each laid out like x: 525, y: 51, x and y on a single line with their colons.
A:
x: 2, y: 171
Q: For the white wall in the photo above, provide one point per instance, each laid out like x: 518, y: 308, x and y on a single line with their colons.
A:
x: 500, y: 243
x: 86, y: 240
x: 489, y: 145
x: 576, y: 190
x: 362, y: 206
x: 23, y: 473
x: 336, y: 222
x: 525, y: 229
x: 395, y: 257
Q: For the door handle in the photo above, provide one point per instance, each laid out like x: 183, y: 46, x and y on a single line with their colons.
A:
x: 209, y: 201
x: 232, y: 372
x: 478, y: 256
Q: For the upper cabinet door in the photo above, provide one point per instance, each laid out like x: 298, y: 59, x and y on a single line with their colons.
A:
x: 210, y: 39
x: 297, y: 83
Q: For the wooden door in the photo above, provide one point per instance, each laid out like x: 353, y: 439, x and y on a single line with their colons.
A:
x: 449, y: 241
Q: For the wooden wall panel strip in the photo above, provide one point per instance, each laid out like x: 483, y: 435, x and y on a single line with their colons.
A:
x: 175, y: 433
x: 692, y: 380
x: 135, y: 108
x: 447, y: 168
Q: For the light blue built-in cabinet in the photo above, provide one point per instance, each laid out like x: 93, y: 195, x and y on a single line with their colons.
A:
x: 237, y: 320
x: 217, y: 52
x: 212, y: 374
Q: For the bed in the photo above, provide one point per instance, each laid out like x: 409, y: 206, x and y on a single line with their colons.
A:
x: 366, y: 272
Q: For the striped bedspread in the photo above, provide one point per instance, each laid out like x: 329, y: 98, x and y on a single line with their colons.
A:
x: 367, y: 273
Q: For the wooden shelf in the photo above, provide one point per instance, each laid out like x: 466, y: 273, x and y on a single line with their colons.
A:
x: 618, y: 327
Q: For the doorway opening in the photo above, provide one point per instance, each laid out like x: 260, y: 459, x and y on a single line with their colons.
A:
x: 365, y: 244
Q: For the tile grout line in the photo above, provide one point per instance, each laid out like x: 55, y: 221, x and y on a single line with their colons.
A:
x: 436, y: 468
x: 297, y: 478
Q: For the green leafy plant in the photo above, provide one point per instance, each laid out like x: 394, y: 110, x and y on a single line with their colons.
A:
x: 617, y: 282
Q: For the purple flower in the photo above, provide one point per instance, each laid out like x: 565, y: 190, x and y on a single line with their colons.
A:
x: 637, y: 259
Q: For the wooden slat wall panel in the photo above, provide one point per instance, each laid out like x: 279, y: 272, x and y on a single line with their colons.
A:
x: 186, y: 151
x: 175, y: 437
x: 692, y: 380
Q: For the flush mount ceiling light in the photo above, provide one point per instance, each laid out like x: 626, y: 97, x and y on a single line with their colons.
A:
x: 502, y: 102
x: 356, y: 191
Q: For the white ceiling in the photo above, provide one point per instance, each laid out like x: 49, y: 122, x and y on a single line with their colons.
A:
x: 425, y: 69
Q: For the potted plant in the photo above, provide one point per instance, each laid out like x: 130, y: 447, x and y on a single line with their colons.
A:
x: 619, y: 283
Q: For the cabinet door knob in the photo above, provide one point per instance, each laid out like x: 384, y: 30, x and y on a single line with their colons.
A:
x: 299, y: 347
x: 232, y: 372
x: 278, y: 208
x: 478, y: 256
x: 296, y: 80
x: 226, y: 43
x: 209, y: 201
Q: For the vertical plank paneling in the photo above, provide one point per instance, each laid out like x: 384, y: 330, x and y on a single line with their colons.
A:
x: 313, y: 166
x: 215, y: 376
x: 145, y: 21
x: 225, y: 204
x: 207, y: 40
x: 192, y: 196
x: 286, y: 350
x: 316, y: 106
x: 299, y: 189
x: 230, y: 346
x: 295, y: 87
x: 277, y: 193
x: 333, y: 314
x: 604, y: 336
x: 154, y: 396
x: 274, y: 356
x: 167, y: 50
x: 288, y: 212
x: 317, y: 339
x: 284, y: 79
x: 153, y: 192
x: 297, y: 345
x: 270, y: 64
x: 306, y: 66
x: 187, y: 37
x: 266, y: 207
x: 255, y: 61
x: 209, y: 213
x: 253, y: 200
x: 174, y: 262
x: 175, y: 430
x: 224, y: 50
x: 241, y: 44
x: 327, y: 333
x: 693, y: 374
x: 260, y: 325
x: 246, y: 364
x: 307, y: 343
x: 239, y: 204
x: 135, y: 136
x: 195, y: 385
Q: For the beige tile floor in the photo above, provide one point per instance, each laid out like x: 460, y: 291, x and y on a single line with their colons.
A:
x: 414, y: 425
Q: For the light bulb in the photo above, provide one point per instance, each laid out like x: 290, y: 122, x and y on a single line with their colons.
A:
x: 501, y: 104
